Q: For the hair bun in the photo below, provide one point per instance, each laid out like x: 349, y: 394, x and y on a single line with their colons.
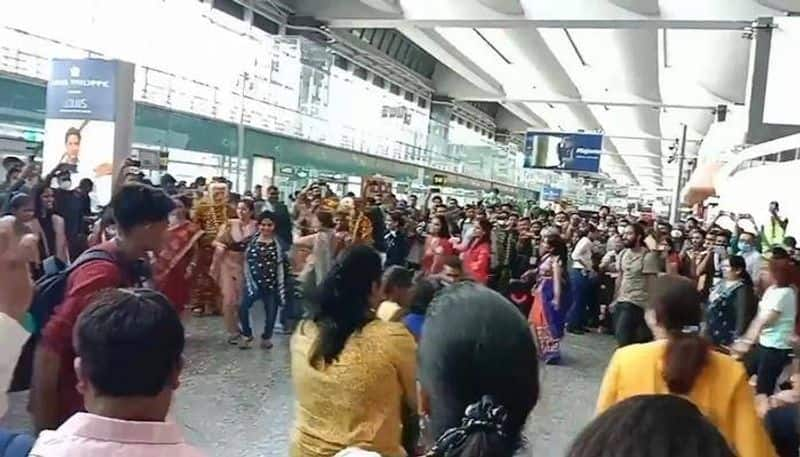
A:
x: 485, y: 415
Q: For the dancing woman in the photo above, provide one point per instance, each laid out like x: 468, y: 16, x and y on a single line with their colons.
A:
x: 227, y: 268
x: 550, y: 299
x: 174, y: 263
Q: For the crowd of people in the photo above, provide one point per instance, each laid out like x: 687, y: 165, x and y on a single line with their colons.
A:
x: 417, y: 327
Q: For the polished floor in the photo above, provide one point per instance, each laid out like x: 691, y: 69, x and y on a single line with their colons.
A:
x: 235, y: 403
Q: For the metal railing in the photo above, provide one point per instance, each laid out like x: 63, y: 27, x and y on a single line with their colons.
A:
x: 255, y: 109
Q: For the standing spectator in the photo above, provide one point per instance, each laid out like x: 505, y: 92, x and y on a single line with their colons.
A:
x: 747, y: 249
x: 396, y: 241
x: 732, y: 304
x: 478, y: 252
x: 682, y: 362
x: 581, y: 276
x: 141, y: 214
x: 437, y: 246
x: 75, y: 206
x: 638, y: 266
x: 773, y: 233
x: 283, y: 218
x: 129, y: 346
x: 551, y: 299
x: 771, y: 331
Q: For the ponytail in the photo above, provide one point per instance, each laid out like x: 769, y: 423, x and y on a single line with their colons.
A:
x: 686, y: 355
x: 678, y: 308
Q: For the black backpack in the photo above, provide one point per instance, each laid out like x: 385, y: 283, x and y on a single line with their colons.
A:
x: 47, y: 295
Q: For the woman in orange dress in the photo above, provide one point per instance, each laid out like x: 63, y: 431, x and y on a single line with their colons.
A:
x: 227, y: 268
x: 551, y: 298
x: 174, y: 264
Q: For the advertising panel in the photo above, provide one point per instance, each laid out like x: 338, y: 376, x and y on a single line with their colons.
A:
x: 563, y: 151
x: 88, y: 119
x: 551, y: 194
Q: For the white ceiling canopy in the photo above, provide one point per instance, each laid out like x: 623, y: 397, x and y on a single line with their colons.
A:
x: 634, y: 69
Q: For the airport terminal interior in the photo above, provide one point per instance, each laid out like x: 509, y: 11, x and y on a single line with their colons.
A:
x: 460, y: 228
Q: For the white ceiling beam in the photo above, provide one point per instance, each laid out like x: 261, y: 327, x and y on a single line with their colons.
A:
x: 350, y: 23
x: 555, y: 100
x: 443, y: 51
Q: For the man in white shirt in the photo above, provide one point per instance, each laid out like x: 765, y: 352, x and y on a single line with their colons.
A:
x: 752, y: 258
x: 16, y: 292
x: 581, y: 276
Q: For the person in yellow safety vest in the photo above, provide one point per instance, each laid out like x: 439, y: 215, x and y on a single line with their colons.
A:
x: 773, y: 233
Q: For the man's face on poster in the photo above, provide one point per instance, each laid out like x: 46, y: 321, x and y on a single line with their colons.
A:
x: 73, y: 146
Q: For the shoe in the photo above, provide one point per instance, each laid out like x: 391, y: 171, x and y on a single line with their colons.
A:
x: 245, y: 342
x: 266, y: 344
x: 233, y: 340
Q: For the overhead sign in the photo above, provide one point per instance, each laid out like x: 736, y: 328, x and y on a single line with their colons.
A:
x: 563, y: 151
x: 551, y: 194
x: 439, y: 180
x: 82, y: 89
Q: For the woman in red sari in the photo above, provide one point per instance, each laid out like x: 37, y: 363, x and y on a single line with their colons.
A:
x: 174, y: 264
x: 437, y: 246
x: 477, y: 254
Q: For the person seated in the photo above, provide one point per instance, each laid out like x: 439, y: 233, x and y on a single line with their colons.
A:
x: 354, y: 375
x: 682, y: 362
x: 651, y: 426
x: 470, y: 332
x: 452, y: 271
x: 424, y: 291
x: 129, y: 346
x: 396, y: 289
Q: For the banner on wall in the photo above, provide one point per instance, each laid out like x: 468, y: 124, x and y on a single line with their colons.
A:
x: 89, y: 120
x: 563, y: 151
x: 551, y: 194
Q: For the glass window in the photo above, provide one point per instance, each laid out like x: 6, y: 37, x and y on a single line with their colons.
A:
x: 787, y: 156
x: 378, y: 81
x: 395, y: 89
x: 340, y: 62
x: 361, y: 72
x: 230, y: 7
x: 409, y: 96
x: 261, y: 22
x: 422, y: 103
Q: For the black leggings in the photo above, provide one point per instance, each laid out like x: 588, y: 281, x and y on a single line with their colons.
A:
x: 767, y: 364
x: 629, y: 325
x: 782, y: 425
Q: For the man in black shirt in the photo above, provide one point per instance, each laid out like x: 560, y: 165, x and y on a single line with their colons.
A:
x: 75, y: 207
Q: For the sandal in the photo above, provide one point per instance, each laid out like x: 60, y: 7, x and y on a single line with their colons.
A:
x: 198, y: 311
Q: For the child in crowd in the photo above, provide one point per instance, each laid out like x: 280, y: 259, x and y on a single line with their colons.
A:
x: 396, y: 289
x: 424, y: 291
x: 129, y: 346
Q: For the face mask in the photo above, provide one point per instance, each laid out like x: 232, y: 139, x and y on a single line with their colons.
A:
x: 65, y: 185
x: 745, y: 247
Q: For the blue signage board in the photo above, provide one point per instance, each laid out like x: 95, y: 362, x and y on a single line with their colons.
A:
x: 563, y: 151
x: 81, y: 89
x: 551, y: 194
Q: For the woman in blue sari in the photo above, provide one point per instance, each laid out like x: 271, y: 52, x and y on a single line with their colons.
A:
x: 732, y: 304
x: 551, y: 298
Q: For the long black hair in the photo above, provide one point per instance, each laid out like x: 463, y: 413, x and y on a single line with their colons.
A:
x: 737, y: 262
x: 477, y: 365
x: 344, y: 301
x: 679, y: 312
x: 651, y: 426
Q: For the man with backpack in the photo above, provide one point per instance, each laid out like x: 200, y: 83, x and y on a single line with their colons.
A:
x: 141, y: 214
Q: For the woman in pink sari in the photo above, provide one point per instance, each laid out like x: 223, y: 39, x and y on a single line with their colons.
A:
x: 437, y: 246
x: 227, y: 268
x: 174, y: 264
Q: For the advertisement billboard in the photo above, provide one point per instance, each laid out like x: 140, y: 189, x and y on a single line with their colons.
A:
x: 563, y: 151
x: 551, y: 194
x: 89, y: 119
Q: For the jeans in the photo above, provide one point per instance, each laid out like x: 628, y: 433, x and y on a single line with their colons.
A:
x: 767, y: 364
x: 782, y: 424
x: 581, y: 288
x: 629, y: 325
x: 271, y: 300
